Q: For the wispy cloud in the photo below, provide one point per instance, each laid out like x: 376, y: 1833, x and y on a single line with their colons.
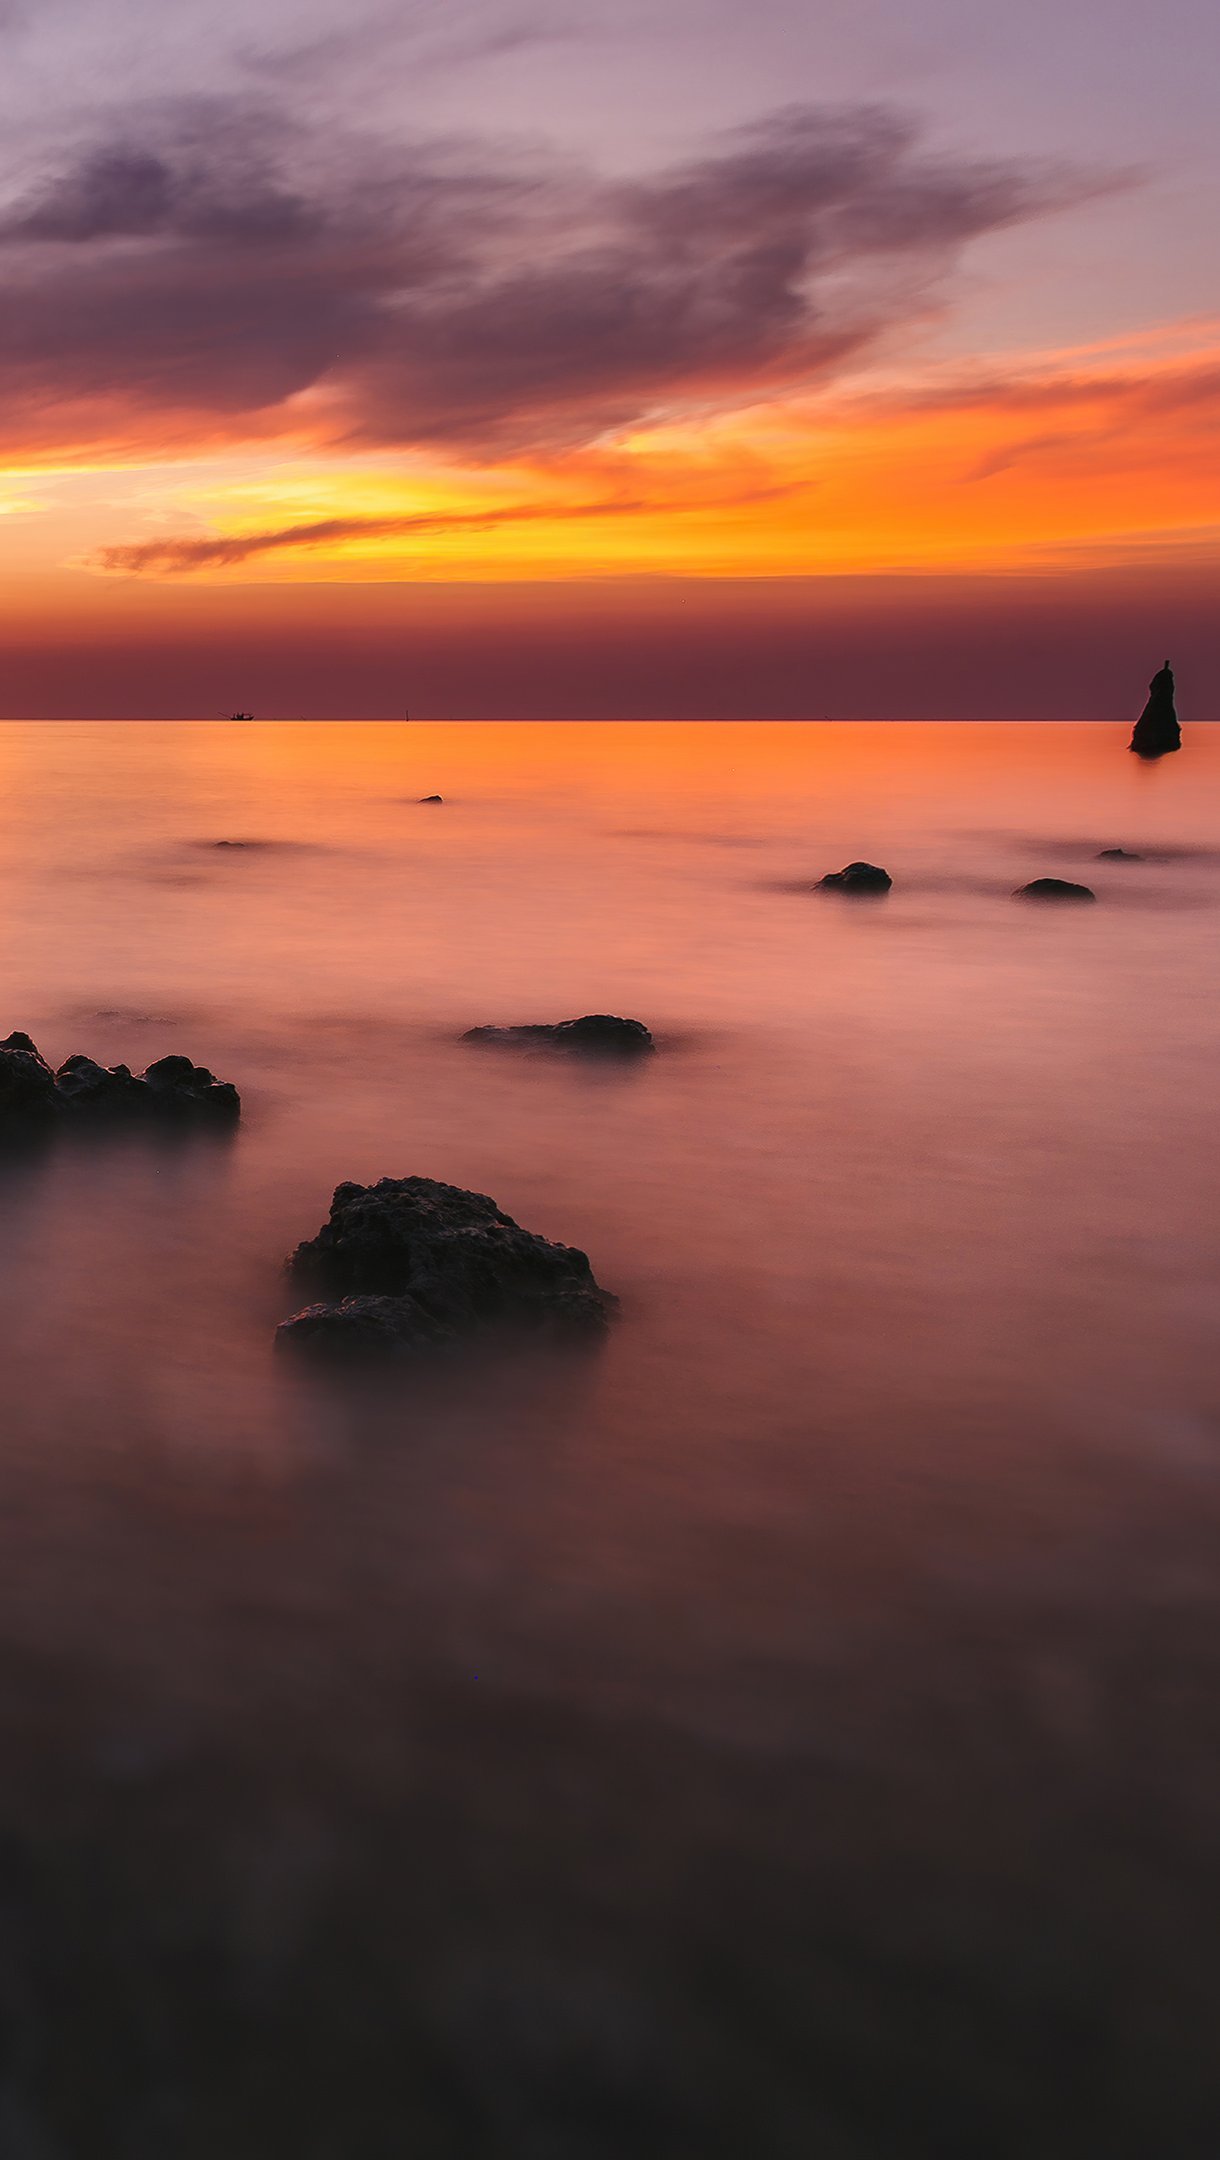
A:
x: 170, y: 554
x: 213, y: 266
x: 434, y: 38
x: 1116, y: 412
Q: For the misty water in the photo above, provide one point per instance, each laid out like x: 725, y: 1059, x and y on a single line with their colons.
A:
x: 789, y: 1729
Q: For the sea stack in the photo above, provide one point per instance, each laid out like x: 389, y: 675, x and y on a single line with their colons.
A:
x: 1157, y: 730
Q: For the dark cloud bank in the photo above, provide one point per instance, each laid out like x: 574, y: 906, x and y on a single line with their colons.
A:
x: 215, y: 263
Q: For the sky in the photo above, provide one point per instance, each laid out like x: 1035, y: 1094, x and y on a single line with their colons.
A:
x: 484, y: 359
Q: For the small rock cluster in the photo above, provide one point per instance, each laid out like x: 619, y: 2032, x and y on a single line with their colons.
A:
x: 867, y: 878
x: 30, y: 1092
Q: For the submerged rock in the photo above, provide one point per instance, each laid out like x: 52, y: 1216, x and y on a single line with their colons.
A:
x: 413, y: 1264
x: 362, y: 1327
x: 81, y: 1088
x: 858, y: 877
x: 1054, y: 888
x: 598, y: 1032
x: 1157, y: 731
x: 1117, y: 854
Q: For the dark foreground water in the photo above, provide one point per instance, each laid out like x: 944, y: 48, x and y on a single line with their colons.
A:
x: 790, y: 1733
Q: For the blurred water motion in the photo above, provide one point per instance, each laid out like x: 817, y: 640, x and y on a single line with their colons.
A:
x: 790, y: 1730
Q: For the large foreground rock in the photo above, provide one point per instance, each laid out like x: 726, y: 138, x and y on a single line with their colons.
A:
x: 597, y: 1032
x: 1157, y: 731
x: 411, y: 1264
x: 173, y: 1088
x: 857, y: 877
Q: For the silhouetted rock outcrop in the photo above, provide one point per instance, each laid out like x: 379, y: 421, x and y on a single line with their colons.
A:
x: 858, y: 877
x: 432, y: 798
x: 1157, y: 731
x: 1117, y: 854
x: 27, y: 1084
x: 600, y: 1033
x: 1054, y: 888
x: 85, y: 1085
x: 173, y: 1087
x: 414, y: 1265
x: 174, y: 1083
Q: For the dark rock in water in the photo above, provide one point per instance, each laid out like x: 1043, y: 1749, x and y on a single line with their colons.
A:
x: 27, y: 1084
x: 1157, y: 732
x: 1054, y: 888
x: 414, y: 1264
x: 176, y: 1085
x: 86, y: 1085
x: 602, y: 1031
x: 1117, y: 854
x: 83, y: 1088
x: 858, y: 877
x: 431, y: 798
x: 598, y: 1032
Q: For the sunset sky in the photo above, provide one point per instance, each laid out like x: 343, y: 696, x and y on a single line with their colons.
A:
x: 679, y: 357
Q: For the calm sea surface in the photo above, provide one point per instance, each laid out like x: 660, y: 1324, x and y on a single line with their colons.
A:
x: 788, y: 1733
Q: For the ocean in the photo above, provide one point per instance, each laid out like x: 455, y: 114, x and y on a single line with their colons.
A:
x: 788, y: 1729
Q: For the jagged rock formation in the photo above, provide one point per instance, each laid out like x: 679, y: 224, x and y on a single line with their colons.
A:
x: 1054, y: 888
x: 415, y: 1265
x: 600, y: 1033
x: 30, y: 1092
x: 1156, y: 732
x: 27, y: 1084
x: 858, y: 877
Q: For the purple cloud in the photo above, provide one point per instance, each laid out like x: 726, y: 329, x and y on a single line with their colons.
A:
x: 215, y: 265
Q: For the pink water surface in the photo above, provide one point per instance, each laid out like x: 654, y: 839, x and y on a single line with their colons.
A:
x: 791, y: 1729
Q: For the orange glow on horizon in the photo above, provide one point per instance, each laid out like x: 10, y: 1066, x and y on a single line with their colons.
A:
x: 1082, y: 460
